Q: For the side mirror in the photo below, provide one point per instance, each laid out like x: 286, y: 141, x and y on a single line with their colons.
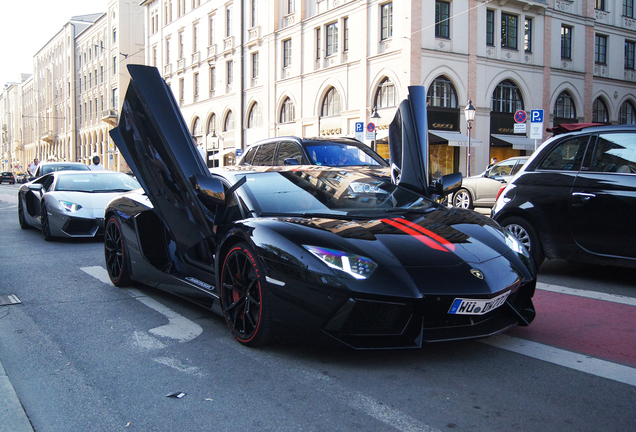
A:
x: 209, y: 190
x: 291, y: 161
x: 446, y: 185
x: 35, y: 187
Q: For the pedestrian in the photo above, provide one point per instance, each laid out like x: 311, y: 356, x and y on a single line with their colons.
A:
x: 96, y: 166
x: 493, y: 161
x: 33, y: 166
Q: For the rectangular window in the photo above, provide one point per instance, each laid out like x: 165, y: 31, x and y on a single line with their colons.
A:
x: 115, y: 65
x: 442, y: 22
x: 167, y: 51
x: 628, y: 8
x: 287, y: 53
x: 180, y: 45
x: 101, y: 73
x: 115, y: 98
x: 254, y: 13
x: 195, y: 84
x: 527, y: 40
x: 599, y: 4
x: 228, y: 22
x: 114, y: 35
x: 490, y: 27
x: 508, y: 31
x: 318, y: 43
x: 386, y: 21
x: 345, y: 41
x: 629, y: 54
x: 332, y: 39
x: 154, y: 56
x: 230, y: 72
x: 181, y: 89
x: 211, y: 30
x: 195, y: 38
x: 291, y: 6
x: 212, y: 79
x: 600, y: 49
x: 566, y: 42
x: 255, y: 65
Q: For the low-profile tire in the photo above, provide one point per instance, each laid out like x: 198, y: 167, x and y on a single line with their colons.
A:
x: 21, y: 219
x: 463, y: 199
x: 115, y: 255
x: 527, y: 235
x: 45, y: 223
x: 244, y: 297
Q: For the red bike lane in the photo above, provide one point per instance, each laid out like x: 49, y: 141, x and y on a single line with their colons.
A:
x: 598, y: 328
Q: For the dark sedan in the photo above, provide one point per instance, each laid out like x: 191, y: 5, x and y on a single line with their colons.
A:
x: 291, y: 150
x: 576, y: 197
x: 7, y: 176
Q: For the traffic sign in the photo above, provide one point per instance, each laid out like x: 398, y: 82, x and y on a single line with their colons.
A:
x: 360, y: 131
x: 536, y: 116
x: 521, y: 116
x: 370, y: 127
x: 536, y: 131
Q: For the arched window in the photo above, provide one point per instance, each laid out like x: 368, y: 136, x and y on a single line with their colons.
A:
x: 442, y: 93
x: 331, y: 104
x: 565, y: 106
x: 599, y: 111
x: 287, y: 111
x: 211, y: 129
x: 507, y: 98
x: 627, y: 114
x: 385, y: 95
x: 195, y: 127
x: 254, y: 117
x: 229, y: 122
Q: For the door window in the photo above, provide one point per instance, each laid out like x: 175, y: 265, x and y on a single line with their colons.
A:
x: 503, y: 168
x: 265, y: 155
x: 615, y: 153
x: 288, y: 150
x: 566, y: 155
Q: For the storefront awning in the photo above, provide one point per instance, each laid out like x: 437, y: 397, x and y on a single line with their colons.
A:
x: 456, y: 139
x: 518, y: 142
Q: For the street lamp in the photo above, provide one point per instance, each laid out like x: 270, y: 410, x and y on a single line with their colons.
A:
x: 469, y: 111
x: 374, y: 117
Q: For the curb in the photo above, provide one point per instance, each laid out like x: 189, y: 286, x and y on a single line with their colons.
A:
x: 12, y: 415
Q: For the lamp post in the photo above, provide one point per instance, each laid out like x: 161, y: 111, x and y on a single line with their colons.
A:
x: 374, y: 117
x: 469, y: 111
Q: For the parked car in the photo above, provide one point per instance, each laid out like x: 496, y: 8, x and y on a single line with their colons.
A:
x: 576, y: 197
x: 70, y: 203
x: 21, y: 177
x: 481, y: 190
x: 291, y: 150
x: 7, y: 176
x: 47, y: 167
x: 370, y: 262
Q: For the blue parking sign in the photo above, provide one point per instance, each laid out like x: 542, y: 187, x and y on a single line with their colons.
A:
x: 536, y: 116
x: 359, y: 127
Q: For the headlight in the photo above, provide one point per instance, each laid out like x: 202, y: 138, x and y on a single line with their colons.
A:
x: 515, y: 244
x: 355, y: 265
x: 69, y: 206
x: 358, y: 187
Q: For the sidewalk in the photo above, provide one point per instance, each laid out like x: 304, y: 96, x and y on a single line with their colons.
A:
x: 12, y: 416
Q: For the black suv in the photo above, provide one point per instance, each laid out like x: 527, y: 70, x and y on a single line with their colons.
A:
x: 7, y: 176
x: 290, y: 150
x: 575, y: 199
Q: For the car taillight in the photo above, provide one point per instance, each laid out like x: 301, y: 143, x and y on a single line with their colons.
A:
x: 501, y: 189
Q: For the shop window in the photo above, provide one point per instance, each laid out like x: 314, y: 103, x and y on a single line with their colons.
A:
x: 331, y: 104
x: 599, y: 111
x: 507, y: 98
x: 442, y: 93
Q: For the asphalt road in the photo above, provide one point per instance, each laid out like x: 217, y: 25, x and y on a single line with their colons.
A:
x: 82, y: 355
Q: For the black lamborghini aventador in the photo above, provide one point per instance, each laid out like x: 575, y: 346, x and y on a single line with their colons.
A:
x: 368, y: 258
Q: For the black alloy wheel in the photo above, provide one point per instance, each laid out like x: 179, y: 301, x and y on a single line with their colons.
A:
x: 21, y: 219
x: 115, y: 253
x: 463, y: 199
x: 527, y: 235
x: 244, y: 297
x: 45, y: 222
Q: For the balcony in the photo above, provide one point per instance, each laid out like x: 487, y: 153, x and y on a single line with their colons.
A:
x: 48, y: 136
x: 253, y: 35
x: 167, y: 70
x: 180, y: 65
x: 211, y: 53
x: 110, y: 117
x: 196, y: 56
x: 228, y: 44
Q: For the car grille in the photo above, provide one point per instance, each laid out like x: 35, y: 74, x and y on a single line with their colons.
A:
x: 377, y: 318
x: 81, y: 227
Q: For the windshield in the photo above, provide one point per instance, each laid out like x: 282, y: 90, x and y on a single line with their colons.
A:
x: 341, y: 154
x: 96, y: 182
x: 75, y: 167
x: 326, y: 192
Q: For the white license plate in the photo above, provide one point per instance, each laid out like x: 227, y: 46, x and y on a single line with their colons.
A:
x: 462, y: 306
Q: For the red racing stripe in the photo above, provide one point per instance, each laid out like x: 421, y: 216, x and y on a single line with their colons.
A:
x: 424, y: 239
x: 431, y: 234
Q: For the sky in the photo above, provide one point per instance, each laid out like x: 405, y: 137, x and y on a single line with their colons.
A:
x: 27, y: 25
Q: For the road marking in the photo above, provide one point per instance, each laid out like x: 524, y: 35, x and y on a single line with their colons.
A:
x: 579, y: 362
x: 614, y: 298
x: 177, y: 365
x: 178, y: 327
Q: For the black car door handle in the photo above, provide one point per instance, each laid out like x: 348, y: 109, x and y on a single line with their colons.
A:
x: 584, y: 196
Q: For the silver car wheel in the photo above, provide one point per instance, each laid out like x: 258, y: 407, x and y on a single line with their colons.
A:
x: 521, y: 234
x: 462, y: 199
